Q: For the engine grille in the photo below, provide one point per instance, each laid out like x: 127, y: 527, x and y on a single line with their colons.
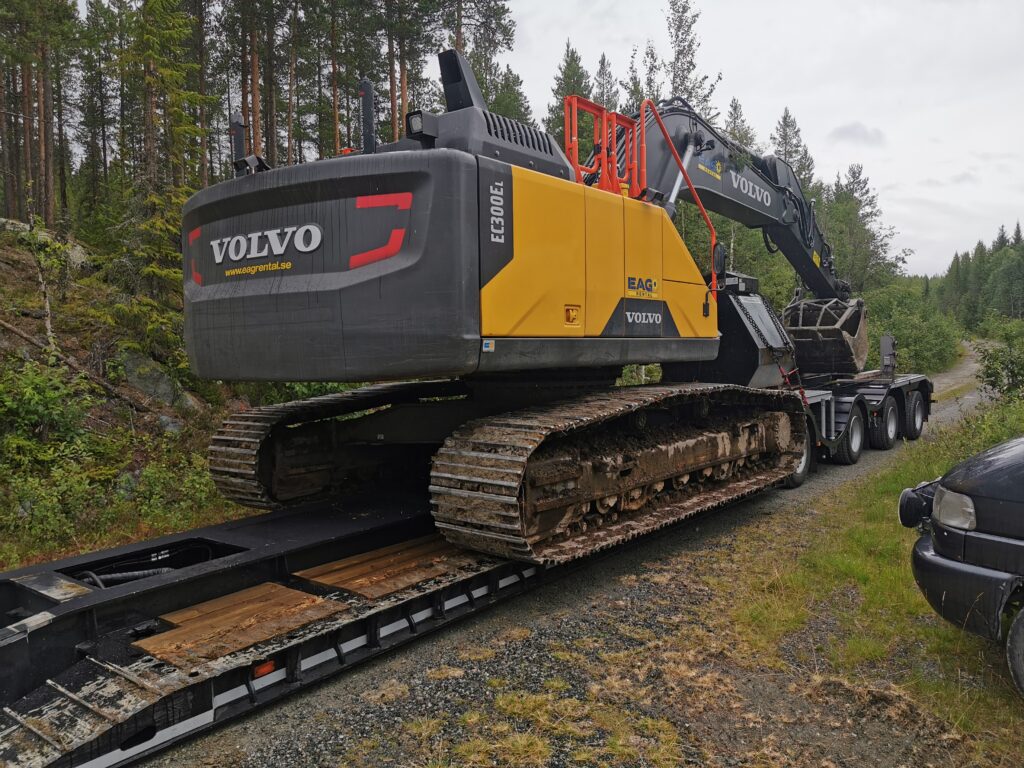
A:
x: 515, y: 132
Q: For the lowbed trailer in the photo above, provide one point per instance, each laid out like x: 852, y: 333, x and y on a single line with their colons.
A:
x: 112, y: 656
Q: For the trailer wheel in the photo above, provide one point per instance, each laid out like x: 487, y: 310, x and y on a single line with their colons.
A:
x: 882, y: 434
x: 913, y: 416
x: 852, y: 445
x: 803, y: 469
x: 1015, y: 651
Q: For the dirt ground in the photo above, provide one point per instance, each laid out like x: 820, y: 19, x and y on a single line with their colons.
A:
x: 619, y: 663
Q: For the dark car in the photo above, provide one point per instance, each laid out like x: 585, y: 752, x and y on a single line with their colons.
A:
x: 969, y: 561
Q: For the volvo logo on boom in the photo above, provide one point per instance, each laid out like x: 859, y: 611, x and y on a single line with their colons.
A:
x: 749, y: 188
x: 270, y: 242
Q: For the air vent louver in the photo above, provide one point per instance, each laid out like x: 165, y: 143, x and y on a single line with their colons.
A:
x: 515, y: 132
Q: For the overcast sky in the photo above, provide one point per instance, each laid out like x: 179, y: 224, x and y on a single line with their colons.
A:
x: 927, y: 94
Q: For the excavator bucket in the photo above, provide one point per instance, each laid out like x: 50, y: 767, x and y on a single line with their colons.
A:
x: 829, y: 335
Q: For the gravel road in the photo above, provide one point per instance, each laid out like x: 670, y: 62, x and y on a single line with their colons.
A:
x: 613, y: 664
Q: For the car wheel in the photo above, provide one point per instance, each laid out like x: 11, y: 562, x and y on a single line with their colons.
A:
x: 1015, y: 651
x: 803, y: 469
x: 913, y: 416
x: 852, y: 445
x: 882, y: 434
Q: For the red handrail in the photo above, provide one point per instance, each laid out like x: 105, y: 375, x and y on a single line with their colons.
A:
x: 647, y: 103
x: 606, y: 145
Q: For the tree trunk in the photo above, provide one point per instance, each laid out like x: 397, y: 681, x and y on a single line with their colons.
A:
x: 319, y: 107
x: 245, y: 96
x: 270, y: 89
x: 254, y: 77
x: 334, y: 82
x: 6, y: 148
x: 291, y: 81
x: 103, y: 122
x: 62, y: 145
x: 403, y: 72
x: 26, y: 131
x: 50, y: 212
x: 43, y: 205
x: 460, y: 44
x: 393, y: 87
x: 14, y: 130
x: 204, y: 143
x: 149, y: 127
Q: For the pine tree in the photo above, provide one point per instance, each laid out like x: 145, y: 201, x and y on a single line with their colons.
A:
x: 606, y: 92
x: 570, y: 79
x: 502, y: 89
x: 789, y: 146
x: 738, y: 128
x: 684, y: 78
x: 1017, y: 238
x: 786, y: 139
x: 481, y: 24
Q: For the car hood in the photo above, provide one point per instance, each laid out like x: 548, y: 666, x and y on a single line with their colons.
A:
x: 994, y: 479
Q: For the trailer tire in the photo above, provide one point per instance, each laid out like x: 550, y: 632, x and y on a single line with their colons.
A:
x: 852, y: 444
x: 883, y: 433
x: 913, y: 416
x: 798, y: 477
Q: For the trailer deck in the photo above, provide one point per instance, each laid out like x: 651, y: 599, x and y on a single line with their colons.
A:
x: 145, y: 679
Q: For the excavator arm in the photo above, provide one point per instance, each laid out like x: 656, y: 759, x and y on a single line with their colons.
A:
x: 758, y: 192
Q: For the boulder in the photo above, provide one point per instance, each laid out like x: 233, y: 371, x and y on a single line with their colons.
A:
x: 147, y: 376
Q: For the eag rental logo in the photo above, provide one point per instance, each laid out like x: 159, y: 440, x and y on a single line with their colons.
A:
x: 269, y: 242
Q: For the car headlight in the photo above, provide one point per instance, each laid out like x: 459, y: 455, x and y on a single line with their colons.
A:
x: 953, y: 509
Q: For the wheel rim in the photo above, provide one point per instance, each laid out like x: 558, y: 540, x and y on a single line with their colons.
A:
x: 856, y: 435
x: 890, y: 423
x: 804, y: 458
x: 918, y: 415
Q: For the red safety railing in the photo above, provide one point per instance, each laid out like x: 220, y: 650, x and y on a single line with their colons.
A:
x: 632, y: 180
x: 606, y: 146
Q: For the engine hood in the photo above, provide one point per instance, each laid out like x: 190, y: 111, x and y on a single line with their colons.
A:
x: 994, y: 479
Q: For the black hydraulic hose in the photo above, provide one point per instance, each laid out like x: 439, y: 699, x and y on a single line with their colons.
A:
x: 120, y: 578
x: 110, y: 579
x: 89, y: 576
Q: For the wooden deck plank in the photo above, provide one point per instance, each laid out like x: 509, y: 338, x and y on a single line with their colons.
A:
x: 235, y: 622
x: 343, y: 570
x: 376, y: 574
x: 372, y: 556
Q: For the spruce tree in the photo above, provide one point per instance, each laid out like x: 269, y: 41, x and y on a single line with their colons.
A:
x: 1001, y: 240
x: 570, y: 79
x: 606, y: 92
x: 738, y: 128
x: 789, y: 146
x: 1017, y: 238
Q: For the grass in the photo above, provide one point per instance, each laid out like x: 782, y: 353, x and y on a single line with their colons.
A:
x: 856, y: 573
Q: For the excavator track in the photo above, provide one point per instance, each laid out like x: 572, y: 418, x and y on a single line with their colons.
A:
x: 240, y: 462
x: 553, y: 483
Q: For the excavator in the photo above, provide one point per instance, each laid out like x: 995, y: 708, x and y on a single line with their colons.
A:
x: 513, y: 283
x: 492, y: 286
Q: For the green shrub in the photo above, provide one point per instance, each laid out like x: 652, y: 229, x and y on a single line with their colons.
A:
x: 928, y: 341
x: 41, y: 412
x: 1002, y: 367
